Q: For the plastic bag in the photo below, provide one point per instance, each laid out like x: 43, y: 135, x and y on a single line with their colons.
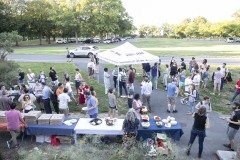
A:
x: 54, y: 141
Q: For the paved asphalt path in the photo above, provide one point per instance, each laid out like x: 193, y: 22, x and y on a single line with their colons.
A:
x: 216, y: 134
x: 165, y: 60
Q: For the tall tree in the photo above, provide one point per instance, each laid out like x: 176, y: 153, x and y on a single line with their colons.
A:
x: 6, y: 41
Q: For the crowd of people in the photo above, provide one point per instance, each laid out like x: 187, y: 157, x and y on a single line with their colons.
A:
x: 175, y: 79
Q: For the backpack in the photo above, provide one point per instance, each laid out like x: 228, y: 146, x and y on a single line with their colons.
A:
x: 229, y: 77
x: 197, y: 95
x: 123, y: 78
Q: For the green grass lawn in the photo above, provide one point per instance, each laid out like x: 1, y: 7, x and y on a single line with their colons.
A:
x: 156, y: 46
x: 70, y: 68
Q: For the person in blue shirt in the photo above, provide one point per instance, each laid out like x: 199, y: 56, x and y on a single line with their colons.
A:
x: 171, y: 98
x: 46, y: 92
x: 91, y: 105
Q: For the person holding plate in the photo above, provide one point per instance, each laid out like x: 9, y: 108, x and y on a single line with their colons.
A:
x: 91, y: 108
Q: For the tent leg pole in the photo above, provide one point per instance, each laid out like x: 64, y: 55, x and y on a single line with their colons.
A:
x: 118, y: 83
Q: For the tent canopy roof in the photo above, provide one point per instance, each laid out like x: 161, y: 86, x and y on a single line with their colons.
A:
x: 127, y: 54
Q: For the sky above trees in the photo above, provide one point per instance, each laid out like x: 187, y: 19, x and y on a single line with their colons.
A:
x: 156, y: 12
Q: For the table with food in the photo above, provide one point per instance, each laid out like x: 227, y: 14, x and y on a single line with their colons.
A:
x: 158, y: 124
x: 104, y: 126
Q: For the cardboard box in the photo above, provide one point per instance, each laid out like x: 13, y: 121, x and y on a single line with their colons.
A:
x: 40, y: 138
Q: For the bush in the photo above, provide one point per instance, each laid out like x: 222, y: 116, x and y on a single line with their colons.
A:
x: 8, y: 71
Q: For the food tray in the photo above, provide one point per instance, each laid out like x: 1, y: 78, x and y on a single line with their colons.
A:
x: 95, y: 121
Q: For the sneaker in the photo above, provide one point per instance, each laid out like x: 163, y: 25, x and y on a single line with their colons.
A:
x: 182, y: 101
x: 188, y: 152
x: 228, y: 103
x: 9, y: 144
x: 16, y: 146
x: 212, y: 93
x: 168, y: 111
x: 175, y: 111
x: 227, y: 145
x: 189, y: 113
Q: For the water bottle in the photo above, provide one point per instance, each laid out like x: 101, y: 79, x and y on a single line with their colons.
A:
x: 116, y: 112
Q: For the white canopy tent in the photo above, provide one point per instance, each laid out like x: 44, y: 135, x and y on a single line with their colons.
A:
x: 127, y: 54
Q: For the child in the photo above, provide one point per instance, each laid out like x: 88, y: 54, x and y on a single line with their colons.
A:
x: 130, y: 96
x: 112, y: 103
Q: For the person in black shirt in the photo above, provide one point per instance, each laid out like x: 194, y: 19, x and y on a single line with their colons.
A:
x: 53, y: 75
x: 183, y: 65
x: 233, y: 125
x: 20, y: 77
x: 200, y: 120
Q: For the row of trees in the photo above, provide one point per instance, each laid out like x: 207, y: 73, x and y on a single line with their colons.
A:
x: 199, y: 27
x: 64, y: 18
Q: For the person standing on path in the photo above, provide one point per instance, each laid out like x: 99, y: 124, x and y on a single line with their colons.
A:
x: 154, y: 75
x: 69, y: 58
x: 46, y: 98
x: 115, y: 76
x: 131, y: 78
x: 13, y: 118
x: 199, y: 127
x: 171, y: 98
x: 236, y: 93
x: 106, y: 79
x: 146, y: 93
x: 122, y: 78
x: 165, y: 76
x: 233, y: 125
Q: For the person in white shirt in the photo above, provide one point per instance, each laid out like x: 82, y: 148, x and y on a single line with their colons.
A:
x: 78, y: 79
x: 31, y: 78
x: 63, y: 99
x: 90, y: 67
x: 106, y: 79
x: 69, y: 87
x: 165, y: 76
x: 224, y: 71
x: 122, y: 78
x: 146, y: 92
x: 196, y: 79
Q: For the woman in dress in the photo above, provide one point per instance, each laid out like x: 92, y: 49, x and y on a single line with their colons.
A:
x: 199, y: 126
x: 81, y: 89
x: 137, y: 104
x: 130, y: 126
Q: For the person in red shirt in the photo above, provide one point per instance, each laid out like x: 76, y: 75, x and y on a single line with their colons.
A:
x: 131, y: 78
x: 236, y: 93
x: 13, y: 118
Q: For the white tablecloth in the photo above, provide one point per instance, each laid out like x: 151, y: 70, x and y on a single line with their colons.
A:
x: 84, y: 127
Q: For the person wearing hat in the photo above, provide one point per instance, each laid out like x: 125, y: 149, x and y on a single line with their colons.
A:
x: 224, y: 72
x: 233, y: 125
x: 236, y: 93
x: 171, y: 98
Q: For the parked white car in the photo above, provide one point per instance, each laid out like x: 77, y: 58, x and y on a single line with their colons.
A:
x: 107, y: 41
x: 85, y: 51
x: 229, y: 40
x: 61, y: 41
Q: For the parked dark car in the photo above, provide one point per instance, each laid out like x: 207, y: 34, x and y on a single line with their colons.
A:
x: 89, y: 40
x: 71, y: 40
